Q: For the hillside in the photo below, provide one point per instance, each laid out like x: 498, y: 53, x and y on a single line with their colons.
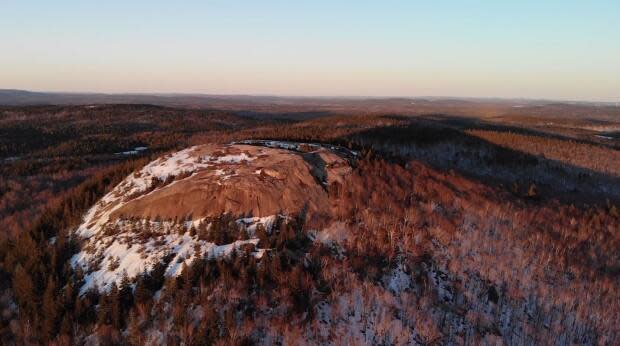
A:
x: 168, y: 209
x: 187, y: 227
x: 291, y: 242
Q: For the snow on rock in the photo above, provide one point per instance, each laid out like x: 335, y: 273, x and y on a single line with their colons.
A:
x: 251, y: 223
x: 181, y: 162
x: 238, y: 158
x: 136, y: 183
x: 116, y: 244
x: 172, y: 165
x: 116, y: 248
x: 107, y: 258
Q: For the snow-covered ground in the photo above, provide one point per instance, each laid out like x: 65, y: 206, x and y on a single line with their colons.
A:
x: 109, y: 256
x: 115, y: 248
x: 135, y: 183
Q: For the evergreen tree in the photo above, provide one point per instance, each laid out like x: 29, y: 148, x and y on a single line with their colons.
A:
x: 50, y: 309
x: 262, y: 235
x: 134, y: 334
x: 104, y: 310
x: 141, y: 292
x: 125, y: 293
x: 65, y: 326
x: 23, y: 288
x: 115, y: 307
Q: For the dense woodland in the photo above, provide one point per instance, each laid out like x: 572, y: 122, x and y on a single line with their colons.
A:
x: 452, y: 234
x: 47, y: 150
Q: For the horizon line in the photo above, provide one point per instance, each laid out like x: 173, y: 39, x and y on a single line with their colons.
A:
x: 293, y: 96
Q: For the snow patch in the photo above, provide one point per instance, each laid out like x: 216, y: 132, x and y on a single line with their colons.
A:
x: 136, y: 183
x: 398, y: 280
x: 251, y: 223
x: 336, y: 233
x: 106, y: 259
x: 604, y: 137
x: 237, y: 158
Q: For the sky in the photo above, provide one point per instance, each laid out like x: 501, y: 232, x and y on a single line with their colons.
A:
x: 567, y: 50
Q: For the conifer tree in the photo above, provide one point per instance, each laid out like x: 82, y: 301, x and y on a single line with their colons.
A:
x: 50, y: 309
x: 65, y: 326
x: 125, y: 293
x: 23, y: 288
x: 104, y: 310
x: 134, y: 335
x: 142, y: 294
x: 115, y: 307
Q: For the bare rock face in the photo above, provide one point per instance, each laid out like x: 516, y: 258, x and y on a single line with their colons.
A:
x: 255, y: 182
x: 243, y: 180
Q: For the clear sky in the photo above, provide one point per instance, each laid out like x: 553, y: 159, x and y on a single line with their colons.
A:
x: 496, y: 48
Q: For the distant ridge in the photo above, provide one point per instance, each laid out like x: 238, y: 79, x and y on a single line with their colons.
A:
x: 16, y: 97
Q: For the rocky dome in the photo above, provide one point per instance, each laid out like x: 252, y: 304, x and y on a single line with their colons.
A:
x: 240, y: 179
x: 256, y: 182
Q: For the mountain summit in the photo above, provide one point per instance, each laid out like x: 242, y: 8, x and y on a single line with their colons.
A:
x: 167, y: 211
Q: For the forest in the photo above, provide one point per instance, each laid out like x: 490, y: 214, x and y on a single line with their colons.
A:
x: 449, y: 231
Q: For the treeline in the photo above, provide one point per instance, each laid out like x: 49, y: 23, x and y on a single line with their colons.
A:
x: 36, y: 267
x: 74, y: 130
